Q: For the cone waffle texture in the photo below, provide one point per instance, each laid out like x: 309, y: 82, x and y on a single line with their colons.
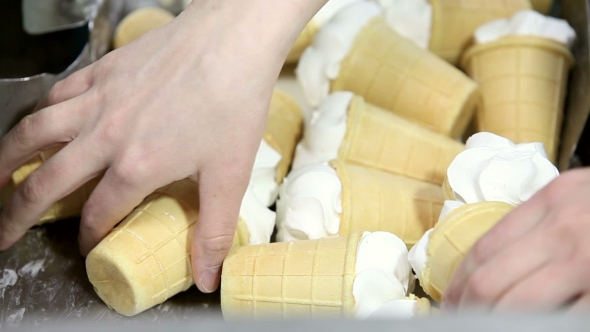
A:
x: 447, y: 190
x: 455, y: 21
x: 146, y: 259
x: 394, y: 73
x: 377, y: 201
x: 542, y: 6
x: 304, y: 40
x: 452, y: 239
x: 376, y: 138
x: 139, y: 23
x: 523, y: 81
x: 67, y: 207
x: 283, y: 129
x: 308, y: 279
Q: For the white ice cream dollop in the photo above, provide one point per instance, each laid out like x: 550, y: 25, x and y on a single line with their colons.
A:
x: 527, y: 23
x: 309, y: 204
x: 382, y: 272
x: 492, y: 168
x: 331, y: 8
x: 259, y: 219
x: 325, y: 131
x: 320, y: 63
x: 411, y: 19
x: 264, y: 174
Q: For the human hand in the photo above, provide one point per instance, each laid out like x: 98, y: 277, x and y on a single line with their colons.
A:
x: 536, y: 258
x: 187, y: 100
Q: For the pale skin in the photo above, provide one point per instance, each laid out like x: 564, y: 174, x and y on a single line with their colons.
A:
x: 190, y: 100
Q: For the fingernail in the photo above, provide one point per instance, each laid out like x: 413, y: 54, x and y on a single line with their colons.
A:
x: 209, y: 279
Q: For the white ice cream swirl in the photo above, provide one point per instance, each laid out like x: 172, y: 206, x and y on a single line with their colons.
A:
x: 264, y: 174
x: 259, y: 219
x: 320, y: 63
x: 382, y: 273
x: 411, y: 19
x: 309, y: 204
x: 527, y: 23
x: 325, y: 131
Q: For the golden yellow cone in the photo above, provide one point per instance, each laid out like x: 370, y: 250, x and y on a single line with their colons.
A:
x: 455, y: 21
x: 394, y: 73
x: 301, y: 279
x: 379, y: 139
x: 377, y: 201
x: 447, y: 190
x: 523, y: 81
x: 304, y: 40
x: 453, y: 237
x: 283, y: 129
x: 140, y: 22
x: 542, y: 6
x: 146, y: 259
x: 67, y: 207
x: 423, y: 305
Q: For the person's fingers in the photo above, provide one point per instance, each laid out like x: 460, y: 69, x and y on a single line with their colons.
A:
x: 74, y: 85
x: 121, y: 189
x: 56, y: 178
x: 220, y: 195
x: 581, y: 305
x: 517, y: 261
x: 549, y: 288
x: 517, y: 223
x: 39, y: 131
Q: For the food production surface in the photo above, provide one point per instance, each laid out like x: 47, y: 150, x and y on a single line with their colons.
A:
x: 43, y: 279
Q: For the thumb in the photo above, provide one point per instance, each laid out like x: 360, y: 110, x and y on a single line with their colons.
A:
x: 220, y: 194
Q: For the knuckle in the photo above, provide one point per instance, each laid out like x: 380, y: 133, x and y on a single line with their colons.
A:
x: 479, y: 287
x: 219, y: 244
x: 56, y: 92
x: 33, y: 191
x: 131, y: 171
x: 480, y: 251
x: 24, y: 133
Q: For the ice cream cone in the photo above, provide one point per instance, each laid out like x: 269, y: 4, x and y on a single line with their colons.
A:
x: 300, y: 279
x: 454, y: 22
x: 523, y: 81
x: 303, y: 41
x: 447, y: 191
x: 140, y: 22
x: 377, y: 201
x: 379, y: 139
x: 453, y: 237
x: 146, y: 259
x: 542, y: 6
x: 394, y: 73
x: 67, y: 207
x: 283, y: 129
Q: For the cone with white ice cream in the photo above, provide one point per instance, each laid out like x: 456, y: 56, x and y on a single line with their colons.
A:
x: 356, y: 51
x: 522, y: 65
x: 345, y: 127
x: 338, y: 277
x: 146, y: 259
x: 341, y: 199
x: 489, y: 179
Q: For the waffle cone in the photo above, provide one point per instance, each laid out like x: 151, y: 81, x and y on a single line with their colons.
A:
x: 146, y: 259
x: 138, y: 23
x: 377, y: 201
x: 283, y: 129
x: 452, y: 239
x: 542, y: 6
x: 379, y: 139
x: 455, y: 21
x: 394, y: 73
x: 523, y: 81
x: 304, y: 40
x: 67, y: 207
x: 302, y: 279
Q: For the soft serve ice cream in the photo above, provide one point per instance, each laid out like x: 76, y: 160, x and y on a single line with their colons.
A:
x: 325, y: 131
x: 259, y: 219
x: 412, y: 19
x: 264, y: 174
x: 382, y: 274
x: 320, y: 63
x: 527, y: 23
x: 491, y: 168
x: 309, y: 205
